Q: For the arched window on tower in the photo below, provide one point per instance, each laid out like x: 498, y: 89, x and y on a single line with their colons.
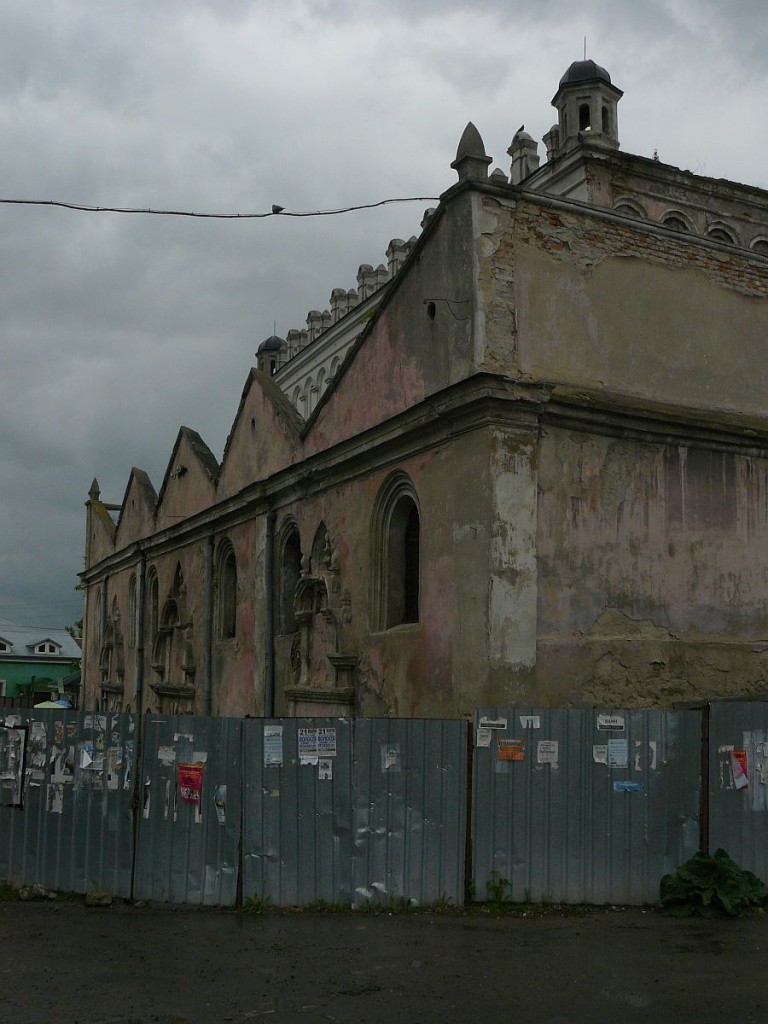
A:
x: 397, y: 555
x: 606, y: 120
x: 585, y: 119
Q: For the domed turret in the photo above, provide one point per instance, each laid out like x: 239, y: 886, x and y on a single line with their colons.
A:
x: 586, y: 105
x: 271, y: 354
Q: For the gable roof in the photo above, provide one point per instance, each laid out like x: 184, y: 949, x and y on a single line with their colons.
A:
x: 24, y: 639
x: 205, y: 458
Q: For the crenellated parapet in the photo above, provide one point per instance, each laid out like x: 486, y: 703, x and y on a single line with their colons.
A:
x: 309, y: 358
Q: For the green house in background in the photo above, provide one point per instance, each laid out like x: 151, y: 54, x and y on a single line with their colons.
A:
x: 36, y: 661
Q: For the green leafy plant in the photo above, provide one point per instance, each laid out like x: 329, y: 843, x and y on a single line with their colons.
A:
x: 257, y: 904
x: 498, y: 888
x: 712, y: 886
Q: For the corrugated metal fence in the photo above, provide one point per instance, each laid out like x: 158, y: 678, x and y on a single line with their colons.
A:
x: 66, y: 783
x: 583, y: 806
x: 738, y: 783
x: 568, y: 806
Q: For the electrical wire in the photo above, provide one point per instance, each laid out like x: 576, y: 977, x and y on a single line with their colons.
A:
x: 276, y: 211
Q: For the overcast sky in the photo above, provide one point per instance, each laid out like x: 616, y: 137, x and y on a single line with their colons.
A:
x: 115, y: 330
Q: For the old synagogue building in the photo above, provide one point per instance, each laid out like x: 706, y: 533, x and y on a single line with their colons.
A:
x: 524, y: 463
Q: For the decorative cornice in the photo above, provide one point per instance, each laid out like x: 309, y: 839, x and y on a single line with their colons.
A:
x: 322, y: 695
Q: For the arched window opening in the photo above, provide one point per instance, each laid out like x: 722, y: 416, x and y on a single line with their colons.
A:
x: 760, y: 245
x: 396, y: 577
x: 675, y: 222
x: 226, y: 592
x: 97, y: 616
x: 606, y: 120
x: 403, y: 563
x: 721, y: 235
x: 320, y: 558
x: 288, y: 574
x: 153, y: 602
x: 585, y: 120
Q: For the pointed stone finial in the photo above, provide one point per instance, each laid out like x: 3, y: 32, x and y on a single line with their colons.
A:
x: 95, y: 490
x: 471, y: 161
x: 525, y: 157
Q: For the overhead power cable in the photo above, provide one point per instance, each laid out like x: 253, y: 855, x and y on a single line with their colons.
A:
x: 276, y: 211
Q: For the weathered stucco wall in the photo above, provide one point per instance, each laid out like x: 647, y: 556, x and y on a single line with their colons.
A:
x: 414, y: 349
x: 604, y: 304
x: 437, y: 666
x: 653, y: 581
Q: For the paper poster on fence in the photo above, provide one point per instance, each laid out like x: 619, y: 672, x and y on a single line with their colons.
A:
x: 273, y: 746
x: 547, y: 751
x: 618, y: 753
x: 190, y: 782
x: 12, y: 757
x: 739, y: 769
x: 511, y: 750
x: 307, y: 742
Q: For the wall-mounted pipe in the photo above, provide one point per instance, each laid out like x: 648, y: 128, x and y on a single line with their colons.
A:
x: 269, y: 618
x: 208, y: 629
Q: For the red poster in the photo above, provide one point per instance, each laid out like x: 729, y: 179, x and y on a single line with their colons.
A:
x: 190, y: 782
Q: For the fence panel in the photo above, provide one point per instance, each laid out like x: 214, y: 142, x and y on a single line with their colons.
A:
x: 71, y: 828
x: 297, y: 839
x: 738, y: 783
x: 410, y: 810
x: 580, y: 806
x: 190, y: 815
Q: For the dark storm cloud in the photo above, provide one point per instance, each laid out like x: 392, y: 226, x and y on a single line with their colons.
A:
x: 118, y: 329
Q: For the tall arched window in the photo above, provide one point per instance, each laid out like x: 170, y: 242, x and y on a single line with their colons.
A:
x: 226, y: 593
x: 397, y: 555
x: 288, y: 571
x: 153, y: 603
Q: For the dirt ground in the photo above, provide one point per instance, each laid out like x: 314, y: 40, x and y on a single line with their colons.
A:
x: 65, y: 963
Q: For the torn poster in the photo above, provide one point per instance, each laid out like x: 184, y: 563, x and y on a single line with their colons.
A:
x: 146, y: 802
x: 739, y: 769
x: 492, y: 723
x: 166, y: 755
x: 610, y: 723
x: 91, y: 759
x: 510, y: 750
x: 325, y: 768
x: 530, y: 721
x: 618, y: 753
x: 55, y: 798
x: 36, y: 751
x: 600, y: 753
x: 220, y: 803
x: 114, y: 764
x: 12, y: 757
x: 62, y: 764
x: 484, y: 736
x: 390, y: 757
x: 547, y: 752
x: 190, y: 782
x: 128, y: 765
x: 627, y: 786
x: 273, y: 746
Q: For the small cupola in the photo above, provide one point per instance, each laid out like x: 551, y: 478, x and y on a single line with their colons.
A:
x: 586, y: 102
x: 271, y: 354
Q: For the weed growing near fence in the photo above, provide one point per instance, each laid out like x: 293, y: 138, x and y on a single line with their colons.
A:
x: 712, y: 886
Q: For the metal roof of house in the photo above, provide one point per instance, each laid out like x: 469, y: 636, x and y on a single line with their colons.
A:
x: 24, y: 639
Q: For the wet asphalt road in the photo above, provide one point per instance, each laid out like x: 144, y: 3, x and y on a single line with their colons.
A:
x: 65, y: 963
